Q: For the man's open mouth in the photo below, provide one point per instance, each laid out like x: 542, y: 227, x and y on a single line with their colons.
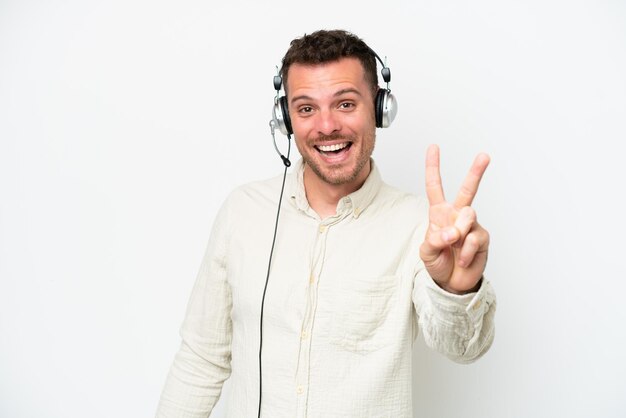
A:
x: 334, y: 149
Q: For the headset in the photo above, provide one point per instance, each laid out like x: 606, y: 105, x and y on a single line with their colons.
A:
x: 385, y: 104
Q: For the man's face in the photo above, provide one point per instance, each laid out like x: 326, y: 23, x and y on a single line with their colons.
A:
x: 332, y: 115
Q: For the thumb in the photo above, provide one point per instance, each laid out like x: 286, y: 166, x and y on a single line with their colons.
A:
x: 437, y: 241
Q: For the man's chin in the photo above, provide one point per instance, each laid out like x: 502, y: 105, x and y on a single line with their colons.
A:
x: 336, y: 175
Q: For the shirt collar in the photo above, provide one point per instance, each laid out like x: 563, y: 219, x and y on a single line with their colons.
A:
x: 354, y: 203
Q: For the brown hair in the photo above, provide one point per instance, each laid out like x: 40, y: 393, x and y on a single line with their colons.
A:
x: 327, y: 46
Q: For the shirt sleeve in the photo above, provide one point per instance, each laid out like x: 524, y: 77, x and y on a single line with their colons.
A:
x: 202, y: 364
x: 461, y: 327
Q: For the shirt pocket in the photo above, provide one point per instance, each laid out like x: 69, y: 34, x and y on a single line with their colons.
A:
x: 361, y: 312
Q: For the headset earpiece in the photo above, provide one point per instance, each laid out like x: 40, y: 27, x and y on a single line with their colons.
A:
x: 385, y: 107
x: 284, y: 107
x: 280, y: 112
x: 379, y: 106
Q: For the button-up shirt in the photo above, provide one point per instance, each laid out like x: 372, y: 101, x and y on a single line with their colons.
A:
x: 345, y: 300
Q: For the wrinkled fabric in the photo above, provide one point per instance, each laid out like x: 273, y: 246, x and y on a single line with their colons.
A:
x: 345, y: 300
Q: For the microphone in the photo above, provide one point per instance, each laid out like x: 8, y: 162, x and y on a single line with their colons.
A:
x: 285, y: 160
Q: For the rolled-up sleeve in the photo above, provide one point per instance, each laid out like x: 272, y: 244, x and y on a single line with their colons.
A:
x: 202, y: 364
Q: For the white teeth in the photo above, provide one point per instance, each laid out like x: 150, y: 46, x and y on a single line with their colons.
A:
x: 327, y: 148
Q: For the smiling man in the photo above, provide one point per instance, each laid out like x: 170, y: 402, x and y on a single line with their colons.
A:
x: 358, y: 268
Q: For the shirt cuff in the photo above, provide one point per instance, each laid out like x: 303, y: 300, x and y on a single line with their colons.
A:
x: 474, y: 305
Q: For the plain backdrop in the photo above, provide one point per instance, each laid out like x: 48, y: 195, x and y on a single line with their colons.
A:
x: 124, y: 124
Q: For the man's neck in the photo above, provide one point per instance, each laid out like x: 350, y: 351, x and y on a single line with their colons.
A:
x: 323, y: 197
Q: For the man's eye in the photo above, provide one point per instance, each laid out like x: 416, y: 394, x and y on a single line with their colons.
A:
x: 305, y: 109
x: 346, y: 105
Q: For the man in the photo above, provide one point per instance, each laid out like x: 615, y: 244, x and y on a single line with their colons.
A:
x: 358, y: 266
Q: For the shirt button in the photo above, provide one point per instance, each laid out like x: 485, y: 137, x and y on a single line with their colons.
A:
x: 322, y: 229
x: 304, y: 335
x: 476, y: 305
x: 311, y: 279
x: 300, y: 390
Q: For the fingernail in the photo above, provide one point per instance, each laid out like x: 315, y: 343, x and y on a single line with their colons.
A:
x: 450, y: 234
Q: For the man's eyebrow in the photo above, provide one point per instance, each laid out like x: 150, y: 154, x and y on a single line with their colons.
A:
x: 348, y: 90
x: 336, y: 94
x: 301, y: 97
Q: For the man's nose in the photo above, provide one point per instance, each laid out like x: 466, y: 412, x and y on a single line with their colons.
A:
x: 328, y: 122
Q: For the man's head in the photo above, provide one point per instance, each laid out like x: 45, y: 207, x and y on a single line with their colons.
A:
x: 326, y: 46
x: 330, y: 80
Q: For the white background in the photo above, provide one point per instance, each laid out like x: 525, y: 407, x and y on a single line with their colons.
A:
x: 124, y: 124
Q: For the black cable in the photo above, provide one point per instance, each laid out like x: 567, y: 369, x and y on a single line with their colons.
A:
x: 287, y: 163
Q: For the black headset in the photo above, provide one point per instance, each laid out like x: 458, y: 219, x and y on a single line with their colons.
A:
x: 385, y: 104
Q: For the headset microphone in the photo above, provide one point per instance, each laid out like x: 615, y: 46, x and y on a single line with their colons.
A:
x: 282, y: 157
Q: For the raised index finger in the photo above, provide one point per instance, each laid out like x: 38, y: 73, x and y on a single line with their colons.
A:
x: 434, y: 189
x: 470, y: 184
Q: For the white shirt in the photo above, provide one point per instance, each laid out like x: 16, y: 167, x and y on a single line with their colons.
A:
x: 345, y: 298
